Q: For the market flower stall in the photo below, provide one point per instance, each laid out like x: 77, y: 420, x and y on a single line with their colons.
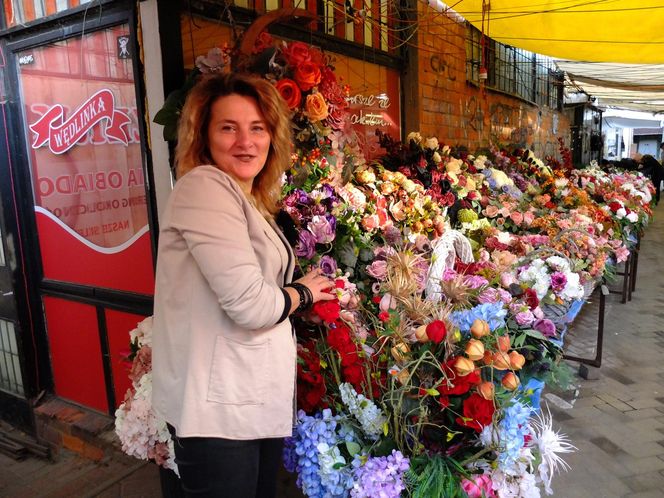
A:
x: 453, y: 274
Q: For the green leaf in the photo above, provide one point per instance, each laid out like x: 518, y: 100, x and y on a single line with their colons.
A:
x: 353, y: 448
x: 535, y: 333
x: 432, y: 392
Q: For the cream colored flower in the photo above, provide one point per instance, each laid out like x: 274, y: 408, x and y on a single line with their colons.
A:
x: 431, y: 143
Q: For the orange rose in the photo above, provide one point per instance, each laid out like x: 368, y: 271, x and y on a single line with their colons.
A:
x: 290, y: 92
x: 307, y: 75
x: 315, y: 107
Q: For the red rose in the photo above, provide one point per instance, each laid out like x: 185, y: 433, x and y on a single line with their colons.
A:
x: 531, y: 298
x: 383, y: 316
x: 307, y: 75
x: 457, y: 384
x: 477, y: 412
x: 349, y: 358
x: 436, y: 331
x: 339, y: 339
x: 354, y: 374
x: 290, y: 92
x: 614, y: 206
x: 328, y: 311
x: 263, y: 41
x: 296, y: 53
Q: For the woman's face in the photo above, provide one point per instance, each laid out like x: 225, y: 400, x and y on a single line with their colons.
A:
x: 238, y: 138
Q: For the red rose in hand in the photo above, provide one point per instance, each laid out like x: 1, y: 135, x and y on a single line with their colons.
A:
x: 477, y: 412
x: 328, y: 311
x: 436, y: 331
x: 307, y: 75
x: 290, y: 92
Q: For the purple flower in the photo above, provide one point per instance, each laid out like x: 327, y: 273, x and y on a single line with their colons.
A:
x: 475, y: 281
x: 328, y: 265
x: 524, y: 317
x: 380, y: 476
x: 558, y: 281
x: 377, y: 269
x: 322, y: 228
x: 302, y: 197
x: 392, y: 235
x: 306, y: 247
x: 545, y: 326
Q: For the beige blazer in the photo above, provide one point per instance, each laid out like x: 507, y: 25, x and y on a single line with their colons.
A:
x: 221, y: 365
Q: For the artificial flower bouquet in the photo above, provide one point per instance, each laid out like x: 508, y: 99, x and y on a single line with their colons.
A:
x: 142, y: 433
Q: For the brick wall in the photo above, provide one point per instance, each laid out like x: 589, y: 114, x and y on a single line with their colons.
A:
x: 461, y: 113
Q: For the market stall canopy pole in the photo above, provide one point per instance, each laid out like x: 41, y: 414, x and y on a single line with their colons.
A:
x: 630, y: 31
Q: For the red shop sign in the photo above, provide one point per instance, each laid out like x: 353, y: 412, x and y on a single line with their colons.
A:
x: 63, y: 135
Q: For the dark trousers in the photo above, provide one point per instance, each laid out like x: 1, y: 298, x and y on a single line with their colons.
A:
x: 218, y: 468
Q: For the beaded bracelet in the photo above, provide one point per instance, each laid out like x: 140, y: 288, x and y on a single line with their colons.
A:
x: 306, y: 297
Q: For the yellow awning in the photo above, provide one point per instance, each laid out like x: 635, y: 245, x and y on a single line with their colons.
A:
x: 630, y: 31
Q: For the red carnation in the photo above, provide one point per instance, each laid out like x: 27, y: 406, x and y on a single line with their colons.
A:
x: 328, y: 311
x: 436, y: 331
x: 477, y: 412
x: 354, y: 374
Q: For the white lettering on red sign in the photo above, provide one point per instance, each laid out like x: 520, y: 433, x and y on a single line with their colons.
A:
x: 61, y: 135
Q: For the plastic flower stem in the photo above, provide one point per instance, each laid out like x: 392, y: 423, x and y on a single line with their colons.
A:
x: 474, y: 457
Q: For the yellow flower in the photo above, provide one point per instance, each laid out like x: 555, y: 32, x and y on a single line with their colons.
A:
x: 315, y: 107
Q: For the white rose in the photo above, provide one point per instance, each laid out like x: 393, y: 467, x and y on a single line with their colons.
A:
x: 414, y: 136
x: 431, y: 143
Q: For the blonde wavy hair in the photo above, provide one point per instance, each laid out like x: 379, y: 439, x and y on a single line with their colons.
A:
x: 192, y: 148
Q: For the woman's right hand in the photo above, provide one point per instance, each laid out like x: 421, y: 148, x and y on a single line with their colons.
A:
x: 320, y: 285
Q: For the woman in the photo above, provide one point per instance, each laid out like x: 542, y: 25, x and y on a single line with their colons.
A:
x: 224, y: 353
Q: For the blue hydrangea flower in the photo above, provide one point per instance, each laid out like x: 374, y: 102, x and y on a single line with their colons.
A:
x: 512, y: 430
x: 492, y: 313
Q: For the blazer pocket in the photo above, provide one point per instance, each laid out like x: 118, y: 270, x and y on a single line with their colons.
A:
x: 239, y: 372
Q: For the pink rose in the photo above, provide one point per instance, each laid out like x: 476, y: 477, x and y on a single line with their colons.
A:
x: 516, y: 217
x: 377, y: 270
x: 370, y: 222
x: 490, y: 211
x: 528, y: 218
x: 507, y: 279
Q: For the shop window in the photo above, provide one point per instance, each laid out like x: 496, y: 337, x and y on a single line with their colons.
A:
x: 23, y: 11
x: 515, y: 71
x: 79, y: 104
x: 11, y: 379
x: 366, y: 22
